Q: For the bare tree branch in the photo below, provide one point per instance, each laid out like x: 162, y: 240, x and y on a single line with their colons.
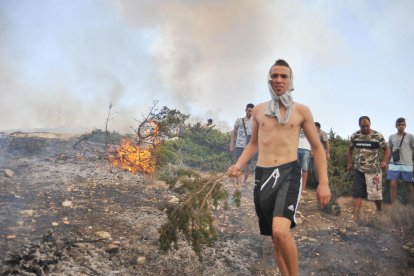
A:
x: 106, y: 127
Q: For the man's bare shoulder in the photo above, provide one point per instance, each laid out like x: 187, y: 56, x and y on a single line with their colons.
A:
x: 258, y: 109
x: 301, y: 106
x: 261, y: 105
x: 302, y: 109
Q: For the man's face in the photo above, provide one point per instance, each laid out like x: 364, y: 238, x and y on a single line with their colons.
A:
x: 401, y: 127
x: 280, y: 79
x: 365, y: 126
x: 249, y: 112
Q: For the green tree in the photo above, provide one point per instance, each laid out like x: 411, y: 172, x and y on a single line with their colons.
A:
x: 200, y: 148
x: 340, y: 181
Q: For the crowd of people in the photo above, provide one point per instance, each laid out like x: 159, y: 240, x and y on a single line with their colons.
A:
x: 285, y: 137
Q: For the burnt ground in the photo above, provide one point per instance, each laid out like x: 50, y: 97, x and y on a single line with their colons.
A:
x: 66, y: 211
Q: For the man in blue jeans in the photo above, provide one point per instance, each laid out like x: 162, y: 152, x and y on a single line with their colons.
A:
x: 304, y: 154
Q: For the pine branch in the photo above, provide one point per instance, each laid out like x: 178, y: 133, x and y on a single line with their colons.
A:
x: 192, y: 218
x: 208, y: 196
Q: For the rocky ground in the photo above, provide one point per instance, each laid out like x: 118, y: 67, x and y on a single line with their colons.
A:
x: 66, y: 211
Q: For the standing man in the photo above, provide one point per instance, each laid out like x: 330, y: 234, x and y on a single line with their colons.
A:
x: 323, y: 136
x: 304, y: 154
x: 402, y: 168
x: 240, y: 138
x: 276, y: 127
x: 366, y: 164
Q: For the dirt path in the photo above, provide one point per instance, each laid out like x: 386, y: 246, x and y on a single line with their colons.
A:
x: 68, y: 212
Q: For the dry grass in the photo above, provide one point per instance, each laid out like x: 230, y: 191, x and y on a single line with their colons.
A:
x: 396, y: 217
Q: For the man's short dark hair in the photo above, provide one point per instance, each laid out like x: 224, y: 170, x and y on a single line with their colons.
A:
x: 281, y: 62
x: 363, y: 118
x: 210, y: 120
x: 399, y: 121
x: 318, y: 124
x: 250, y: 105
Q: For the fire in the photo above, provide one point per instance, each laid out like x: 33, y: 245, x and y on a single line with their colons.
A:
x: 134, y: 158
x: 138, y: 157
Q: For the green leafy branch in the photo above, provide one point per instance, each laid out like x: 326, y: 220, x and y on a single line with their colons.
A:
x: 192, y: 218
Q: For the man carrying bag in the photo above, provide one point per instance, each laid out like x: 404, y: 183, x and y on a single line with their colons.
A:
x: 401, y: 165
x: 240, y: 138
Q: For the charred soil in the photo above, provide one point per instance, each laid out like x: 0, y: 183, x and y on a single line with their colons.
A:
x: 66, y: 211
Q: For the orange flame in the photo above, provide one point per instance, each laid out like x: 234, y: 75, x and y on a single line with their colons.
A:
x: 137, y: 158
x: 134, y: 158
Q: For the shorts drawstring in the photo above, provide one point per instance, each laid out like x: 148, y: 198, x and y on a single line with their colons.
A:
x: 275, y: 174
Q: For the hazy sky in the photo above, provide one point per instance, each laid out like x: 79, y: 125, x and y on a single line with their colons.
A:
x: 63, y: 62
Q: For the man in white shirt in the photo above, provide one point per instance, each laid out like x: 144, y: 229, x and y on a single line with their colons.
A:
x: 304, y: 154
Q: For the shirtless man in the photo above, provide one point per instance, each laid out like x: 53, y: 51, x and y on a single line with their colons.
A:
x: 275, y: 135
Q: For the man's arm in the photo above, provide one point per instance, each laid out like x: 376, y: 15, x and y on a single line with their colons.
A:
x: 349, y: 157
x: 386, y: 158
x: 233, y: 139
x: 391, y: 150
x: 323, y: 193
x: 328, y: 150
x: 412, y: 141
x: 325, y: 141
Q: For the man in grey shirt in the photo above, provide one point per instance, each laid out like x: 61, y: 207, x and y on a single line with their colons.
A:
x: 402, y: 168
x: 240, y: 138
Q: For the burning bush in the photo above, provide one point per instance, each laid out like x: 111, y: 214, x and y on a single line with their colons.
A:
x: 133, y: 157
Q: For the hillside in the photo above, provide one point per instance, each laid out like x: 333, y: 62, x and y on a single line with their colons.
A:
x: 66, y: 211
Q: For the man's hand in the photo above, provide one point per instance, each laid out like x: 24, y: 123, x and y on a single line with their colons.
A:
x: 349, y: 167
x: 384, y: 165
x: 323, y: 194
x: 231, y: 149
x: 234, y: 171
